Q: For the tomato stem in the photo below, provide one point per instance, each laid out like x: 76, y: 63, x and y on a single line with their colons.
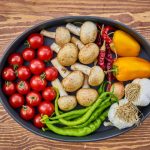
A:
x: 43, y: 75
x: 7, y: 83
x: 24, y: 107
x: 21, y: 85
x: 27, y: 43
x: 15, y: 67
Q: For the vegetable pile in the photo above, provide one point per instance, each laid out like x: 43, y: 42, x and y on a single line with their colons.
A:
x: 94, y: 62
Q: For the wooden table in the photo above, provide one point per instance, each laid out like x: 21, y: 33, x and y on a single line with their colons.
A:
x: 18, y: 15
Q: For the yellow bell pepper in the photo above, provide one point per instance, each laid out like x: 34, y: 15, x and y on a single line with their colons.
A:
x: 129, y: 68
x: 125, y: 45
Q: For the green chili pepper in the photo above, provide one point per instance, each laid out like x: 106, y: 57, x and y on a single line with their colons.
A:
x: 102, y: 88
x: 71, y: 113
x: 86, y: 116
x: 66, y: 118
x: 108, y: 102
x: 96, y: 113
x: 77, y: 131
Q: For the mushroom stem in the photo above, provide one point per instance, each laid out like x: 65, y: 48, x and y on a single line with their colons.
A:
x: 48, y: 34
x: 55, y: 47
x: 65, y: 102
x: 77, y: 42
x: 85, y: 84
x: 61, y: 69
x: 96, y: 74
x: 83, y: 68
x: 95, y: 62
x: 56, y: 83
x: 73, y: 29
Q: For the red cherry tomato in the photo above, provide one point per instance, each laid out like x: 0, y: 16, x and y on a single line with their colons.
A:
x: 15, y: 60
x: 28, y: 54
x: 45, y: 53
x: 16, y: 100
x: 23, y: 87
x: 33, y: 99
x: 27, y: 112
x: 9, y: 88
x: 51, y: 73
x: 37, y: 121
x: 35, y: 40
x: 49, y: 94
x: 37, y: 83
x: 8, y: 74
x: 37, y: 66
x: 23, y: 72
x: 46, y: 108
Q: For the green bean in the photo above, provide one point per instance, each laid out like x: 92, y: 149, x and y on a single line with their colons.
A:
x: 74, y: 112
x: 78, y: 131
x: 86, y: 116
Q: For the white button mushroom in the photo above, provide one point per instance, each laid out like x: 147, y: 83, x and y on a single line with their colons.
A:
x: 67, y: 55
x: 96, y: 74
x: 86, y: 96
x: 61, y: 36
x: 65, y: 102
x: 72, y: 80
x: 87, y: 32
x: 88, y: 53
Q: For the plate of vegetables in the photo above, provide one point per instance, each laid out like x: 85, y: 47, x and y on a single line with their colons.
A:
x: 77, y: 78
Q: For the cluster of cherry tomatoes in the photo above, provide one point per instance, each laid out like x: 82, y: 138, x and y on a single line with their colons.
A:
x: 26, y: 85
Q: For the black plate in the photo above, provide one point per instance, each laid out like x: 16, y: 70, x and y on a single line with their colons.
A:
x: 17, y: 45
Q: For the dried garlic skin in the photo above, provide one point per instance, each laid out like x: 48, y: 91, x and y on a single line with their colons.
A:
x: 116, y: 119
x: 138, y: 92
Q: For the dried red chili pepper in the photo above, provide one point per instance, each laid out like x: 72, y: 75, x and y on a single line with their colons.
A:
x: 107, y: 55
x: 109, y: 63
x: 101, y: 57
x: 104, y: 34
x: 99, y: 40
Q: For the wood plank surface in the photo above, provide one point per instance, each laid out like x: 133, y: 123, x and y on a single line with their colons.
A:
x: 18, y: 15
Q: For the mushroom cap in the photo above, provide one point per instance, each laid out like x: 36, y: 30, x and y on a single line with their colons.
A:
x: 88, y: 32
x: 96, y: 76
x: 67, y: 103
x: 88, y: 53
x: 62, y: 36
x: 68, y: 54
x: 86, y: 96
x: 73, y: 81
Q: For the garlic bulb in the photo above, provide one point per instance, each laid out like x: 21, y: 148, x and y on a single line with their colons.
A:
x: 138, y: 92
x: 123, y: 114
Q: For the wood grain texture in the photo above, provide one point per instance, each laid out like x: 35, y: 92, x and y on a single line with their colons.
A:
x: 18, y: 15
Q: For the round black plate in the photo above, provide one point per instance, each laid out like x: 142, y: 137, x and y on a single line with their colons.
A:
x: 18, y: 45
